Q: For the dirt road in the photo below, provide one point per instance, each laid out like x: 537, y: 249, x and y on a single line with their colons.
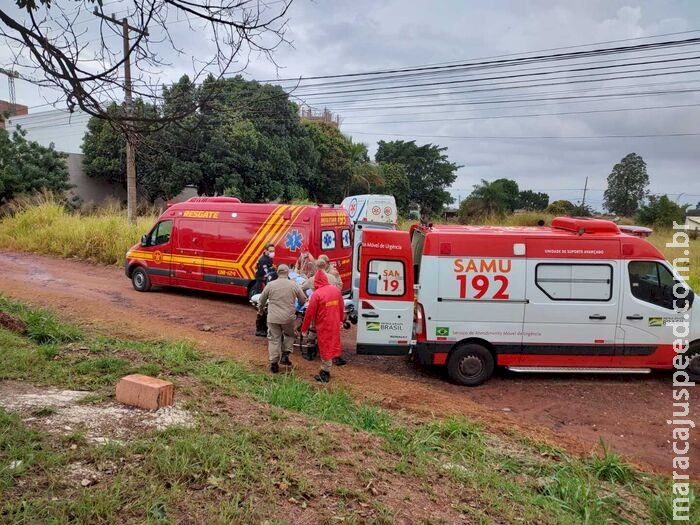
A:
x: 576, y: 412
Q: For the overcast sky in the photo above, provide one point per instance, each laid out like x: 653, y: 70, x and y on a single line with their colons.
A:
x: 332, y: 37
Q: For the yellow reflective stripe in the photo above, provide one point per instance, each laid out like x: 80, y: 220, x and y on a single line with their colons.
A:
x: 260, y: 237
x: 248, y: 263
x: 255, y: 238
x: 296, y: 211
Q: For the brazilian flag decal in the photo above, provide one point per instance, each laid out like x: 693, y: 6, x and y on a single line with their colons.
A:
x: 373, y: 326
x: 656, y: 321
x: 442, y: 331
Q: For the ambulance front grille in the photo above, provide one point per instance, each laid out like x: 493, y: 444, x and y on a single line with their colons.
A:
x: 578, y: 370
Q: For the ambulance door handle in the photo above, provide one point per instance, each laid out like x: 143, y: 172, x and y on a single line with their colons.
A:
x: 371, y: 315
x: 635, y: 317
x: 597, y: 316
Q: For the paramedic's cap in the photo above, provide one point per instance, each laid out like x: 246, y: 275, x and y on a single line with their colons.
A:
x: 283, y: 268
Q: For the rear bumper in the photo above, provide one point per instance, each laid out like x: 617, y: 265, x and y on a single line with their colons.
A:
x: 431, y: 353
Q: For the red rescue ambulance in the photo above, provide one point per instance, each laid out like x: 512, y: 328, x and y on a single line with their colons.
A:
x: 579, y: 296
x: 213, y: 243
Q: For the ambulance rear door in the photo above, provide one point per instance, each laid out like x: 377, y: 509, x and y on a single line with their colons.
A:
x: 385, y: 305
x: 356, y: 249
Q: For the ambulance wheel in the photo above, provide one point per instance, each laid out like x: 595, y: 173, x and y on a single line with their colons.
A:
x: 140, y: 280
x: 693, y: 367
x: 470, y: 364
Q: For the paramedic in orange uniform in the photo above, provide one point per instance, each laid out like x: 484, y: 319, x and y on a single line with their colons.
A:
x: 326, y: 310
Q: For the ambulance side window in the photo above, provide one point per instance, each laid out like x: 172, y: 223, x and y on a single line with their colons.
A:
x: 386, y: 277
x: 652, y: 282
x: 161, y: 233
x: 417, y: 243
x: 575, y: 282
x: 346, y: 238
x: 328, y: 239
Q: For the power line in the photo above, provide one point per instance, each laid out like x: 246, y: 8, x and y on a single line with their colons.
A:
x: 529, y: 137
x: 581, y: 79
x: 527, y: 99
x: 517, y: 75
x: 441, y: 74
x: 528, y: 115
x: 479, y: 62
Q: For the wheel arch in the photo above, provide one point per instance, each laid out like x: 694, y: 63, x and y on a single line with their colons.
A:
x: 132, y: 266
x: 475, y: 340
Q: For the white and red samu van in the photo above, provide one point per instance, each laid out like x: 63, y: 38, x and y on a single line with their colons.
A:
x: 579, y: 296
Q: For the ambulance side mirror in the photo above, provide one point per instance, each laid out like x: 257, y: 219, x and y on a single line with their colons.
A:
x: 144, y: 240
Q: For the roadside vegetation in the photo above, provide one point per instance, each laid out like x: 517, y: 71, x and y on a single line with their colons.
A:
x: 48, y: 226
x: 277, y: 449
x: 103, y: 236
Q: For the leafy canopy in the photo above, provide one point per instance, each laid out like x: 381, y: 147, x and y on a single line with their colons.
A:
x: 428, y: 170
x: 627, y: 186
x: 26, y: 167
x: 661, y: 211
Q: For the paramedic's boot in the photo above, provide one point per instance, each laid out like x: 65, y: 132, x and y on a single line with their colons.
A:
x: 284, y: 360
x: 274, y: 368
x: 261, y: 333
x: 323, y: 377
x: 339, y: 361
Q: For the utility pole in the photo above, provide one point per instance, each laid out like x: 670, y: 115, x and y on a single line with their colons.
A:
x: 130, y: 132
x: 585, y: 187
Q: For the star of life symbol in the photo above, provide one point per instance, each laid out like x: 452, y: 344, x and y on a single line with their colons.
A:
x: 328, y: 240
x: 346, y: 237
x: 294, y: 241
x: 353, y: 206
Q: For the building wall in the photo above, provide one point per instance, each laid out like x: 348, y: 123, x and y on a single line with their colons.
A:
x: 66, y: 131
x: 6, y: 107
x: 62, y: 129
x: 91, y: 190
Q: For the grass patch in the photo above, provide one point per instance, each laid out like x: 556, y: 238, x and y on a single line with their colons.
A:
x: 610, y: 467
x: 42, y: 326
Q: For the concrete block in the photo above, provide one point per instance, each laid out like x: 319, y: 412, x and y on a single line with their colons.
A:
x: 145, y: 392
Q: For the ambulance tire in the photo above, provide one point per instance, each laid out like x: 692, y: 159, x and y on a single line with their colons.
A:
x: 140, y: 280
x: 470, y: 364
x: 693, y: 367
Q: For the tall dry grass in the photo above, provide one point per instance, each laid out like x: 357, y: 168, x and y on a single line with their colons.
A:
x: 50, y: 228
x: 662, y: 236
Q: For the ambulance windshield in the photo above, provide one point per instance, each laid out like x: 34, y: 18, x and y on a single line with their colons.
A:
x: 417, y: 242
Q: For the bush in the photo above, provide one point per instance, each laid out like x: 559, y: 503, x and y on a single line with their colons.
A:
x: 661, y: 211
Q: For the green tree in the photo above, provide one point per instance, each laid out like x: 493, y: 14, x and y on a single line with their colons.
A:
x: 428, y: 170
x: 490, y: 198
x: 247, y: 140
x: 533, y: 200
x: 510, y: 192
x: 561, y: 207
x: 627, y: 186
x: 366, y: 178
x: 333, y: 172
x: 581, y: 210
x: 661, y: 211
x: 396, y: 183
x: 26, y: 167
